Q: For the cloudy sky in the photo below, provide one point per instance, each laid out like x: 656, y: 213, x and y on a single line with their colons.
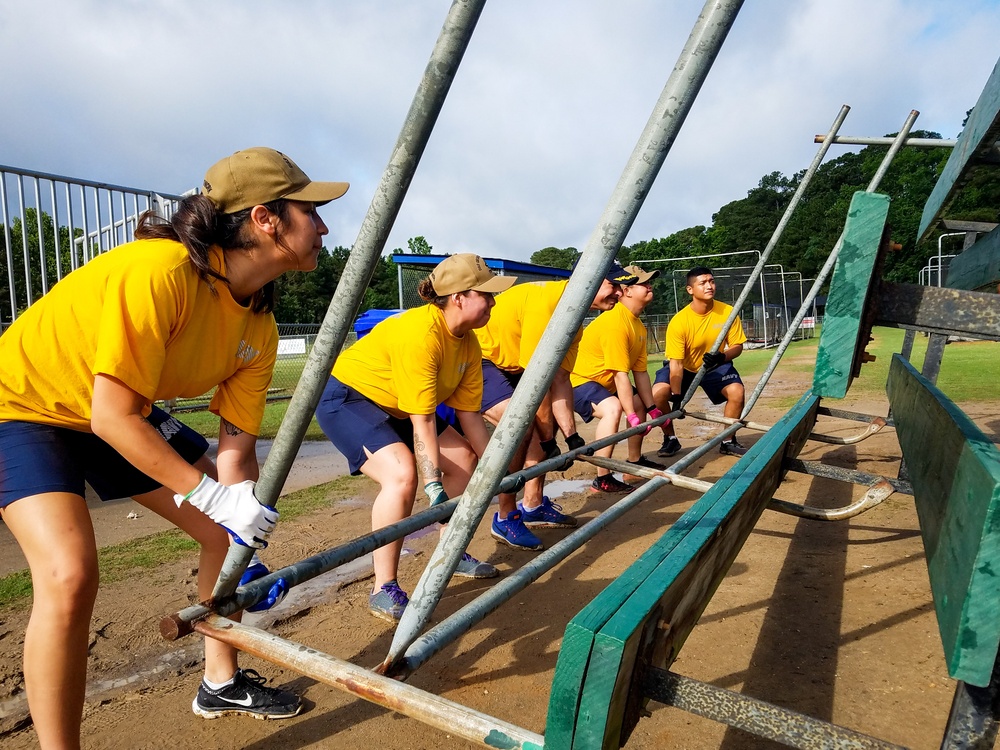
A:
x: 546, y: 108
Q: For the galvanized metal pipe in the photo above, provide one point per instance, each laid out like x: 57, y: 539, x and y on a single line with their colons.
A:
x: 678, y: 480
x: 7, y: 246
x: 876, y: 424
x: 427, y: 103
x: 707, y: 36
x: 446, y: 715
x: 852, y: 415
x: 771, y: 244
x: 855, y: 140
x: 875, y: 495
x: 451, y: 628
x: 752, y: 715
x: 827, y: 267
x: 178, y: 624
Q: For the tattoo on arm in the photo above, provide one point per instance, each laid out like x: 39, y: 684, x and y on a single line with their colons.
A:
x: 427, y: 469
x: 231, y: 429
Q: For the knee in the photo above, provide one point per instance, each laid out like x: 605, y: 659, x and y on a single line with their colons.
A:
x: 735, y: 393
x: 612, y: 409
x: 67, y: 589
x: 661, y: 396
x: 401, y: 482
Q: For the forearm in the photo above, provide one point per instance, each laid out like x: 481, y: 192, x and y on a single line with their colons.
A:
x: 623, y: 388
x: 644, y: 387
x: 676, y: 377
x: 425, y: 447
x: 733, y: 352
x: 561, y: 392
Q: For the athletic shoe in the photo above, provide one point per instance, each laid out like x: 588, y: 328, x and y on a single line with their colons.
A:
x: 608, y: 483
x: 246, y: 694
x: 548, y: 515
x: 731, y: 448
x: 470, y: 567
x: 513, y: 532
x: 670, y: 446
x: 648, y: 464
x: 388, y: 602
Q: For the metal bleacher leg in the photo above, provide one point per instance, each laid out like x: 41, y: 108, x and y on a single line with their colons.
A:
x: 975, y: 716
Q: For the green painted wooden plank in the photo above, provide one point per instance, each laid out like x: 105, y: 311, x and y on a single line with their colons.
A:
x: 840, y: 344
x: 678, y: 591
x: 956, y: 487
x: 980, y: 133
x: 578, y: 639
x: 978, y: 268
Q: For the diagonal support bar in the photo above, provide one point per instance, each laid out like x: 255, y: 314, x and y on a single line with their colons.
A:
x: 606, y: 239
x: 424, y: 110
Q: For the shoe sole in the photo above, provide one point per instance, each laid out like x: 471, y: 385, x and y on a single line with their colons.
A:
x: 668, y: 454
x: 610, y: 492
x: 549, y: 525
x: 493, y: 574
x: 509, y: 543
x: 384, y: 616
x: 215, y: 713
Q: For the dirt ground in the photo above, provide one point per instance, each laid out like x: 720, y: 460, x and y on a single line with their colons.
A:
x: 831, y: 619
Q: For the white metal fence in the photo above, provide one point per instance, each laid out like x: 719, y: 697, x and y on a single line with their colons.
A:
x: 51, y: 224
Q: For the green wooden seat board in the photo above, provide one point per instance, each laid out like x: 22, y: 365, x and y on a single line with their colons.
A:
x: 651, y: 626
x: 977, y: 140
x: 978, y: 268
x: 578, y: 639
x: 956, y: 483
x: 849, y: 316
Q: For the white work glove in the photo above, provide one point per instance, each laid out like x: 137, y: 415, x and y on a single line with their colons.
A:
x: 235, y: 509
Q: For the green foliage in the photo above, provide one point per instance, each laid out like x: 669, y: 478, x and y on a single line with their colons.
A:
x: 419, y: 246
x: 555, y: 257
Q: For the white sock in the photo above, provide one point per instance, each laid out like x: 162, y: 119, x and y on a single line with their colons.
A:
x: 217, y: 685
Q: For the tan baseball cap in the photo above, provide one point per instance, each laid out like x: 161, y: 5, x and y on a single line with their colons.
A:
x: 260, y: 175
x: 642, y: 274
x: 465, y: 271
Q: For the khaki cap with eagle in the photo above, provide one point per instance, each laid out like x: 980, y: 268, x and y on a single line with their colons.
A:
x: 260, y: 175
x: 465, y: 271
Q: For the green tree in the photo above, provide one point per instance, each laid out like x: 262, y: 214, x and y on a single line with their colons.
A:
x: 555, y: 257
x: 419, y: 246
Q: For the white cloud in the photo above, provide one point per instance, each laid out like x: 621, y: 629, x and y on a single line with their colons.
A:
x: 544, y: 112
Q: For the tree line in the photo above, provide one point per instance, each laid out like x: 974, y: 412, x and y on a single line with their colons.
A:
x: 742, y: 225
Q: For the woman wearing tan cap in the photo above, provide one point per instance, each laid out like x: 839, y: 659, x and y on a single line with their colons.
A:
x: 379, y: 405
x: 182, y: 310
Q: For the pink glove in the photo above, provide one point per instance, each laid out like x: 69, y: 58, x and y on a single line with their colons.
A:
x: 633, y: 420
x: 654, y: 413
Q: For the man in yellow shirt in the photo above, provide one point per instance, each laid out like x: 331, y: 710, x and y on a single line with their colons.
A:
x: 613, y: 346
x: 508, y: 341
x: 690, y: 336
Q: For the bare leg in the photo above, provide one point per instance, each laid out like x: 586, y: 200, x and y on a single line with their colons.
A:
x: 508, y: 500
x: 635, y: 442
x: 734, y: 394
x: 394, y: 469
x: 661, y: 397
x: 609, y: 412
x: 57, y: 537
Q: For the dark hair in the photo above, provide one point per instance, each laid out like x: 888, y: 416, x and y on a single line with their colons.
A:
x: 426, y: 291
x: 697, y: 271
x: 199, y: 225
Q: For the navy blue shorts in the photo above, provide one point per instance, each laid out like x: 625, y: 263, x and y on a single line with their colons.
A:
x: 37, y: 458
x: 586, y: 396
x: 713, y: 382
x: 498, y: 385
x: 353, y: 423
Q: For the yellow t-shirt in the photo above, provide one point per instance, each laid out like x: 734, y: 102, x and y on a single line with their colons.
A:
x: 614, y: 342
x: 517, y: 323
x: 410, y: 363
x: 690, y: 335
x: 140, y: 314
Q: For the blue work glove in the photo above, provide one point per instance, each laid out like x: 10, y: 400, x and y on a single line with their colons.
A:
x: 714, y: 359
x: 435, y: 493
x: 234, y: 508
x: 256, y: 569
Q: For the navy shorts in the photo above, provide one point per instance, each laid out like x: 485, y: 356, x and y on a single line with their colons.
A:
x: 37, y: 458
x: 586, y: 396
x: 713, y: 382
x: 353, y: 423
x: 498, y: 385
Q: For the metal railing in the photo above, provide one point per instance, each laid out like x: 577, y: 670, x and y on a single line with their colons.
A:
x: 52, y: 224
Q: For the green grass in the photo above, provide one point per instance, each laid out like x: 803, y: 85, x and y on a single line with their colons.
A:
x: 963, y: 377
x: 207, y: 424
x: 120, y: 561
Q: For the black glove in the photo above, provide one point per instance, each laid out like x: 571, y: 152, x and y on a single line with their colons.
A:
x: 574, y: 441
x: 675, y: 405
x: 714, y: 359
x: 550, y: 448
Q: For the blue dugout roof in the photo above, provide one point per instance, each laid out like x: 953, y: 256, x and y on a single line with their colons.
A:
x: 503, y: 267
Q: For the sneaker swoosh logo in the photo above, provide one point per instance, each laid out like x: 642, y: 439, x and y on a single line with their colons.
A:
x: 244, y: 701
